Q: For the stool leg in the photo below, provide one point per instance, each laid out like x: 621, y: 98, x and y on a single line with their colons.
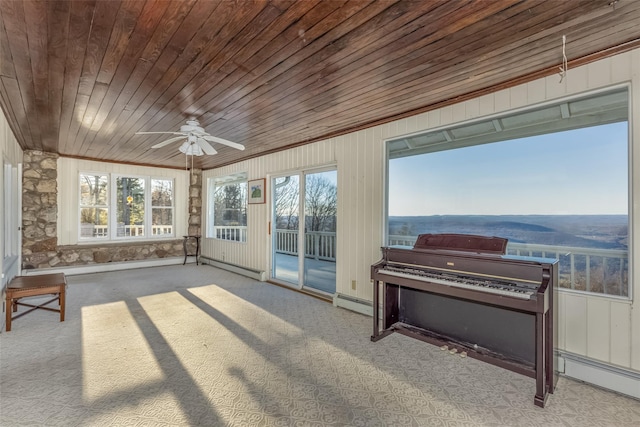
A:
x: 8, y: 313
x: 62, y: 304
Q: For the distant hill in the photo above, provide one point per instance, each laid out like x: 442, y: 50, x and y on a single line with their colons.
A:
x: 588, y: 231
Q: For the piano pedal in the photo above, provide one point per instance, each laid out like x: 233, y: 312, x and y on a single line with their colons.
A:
x: 453, y: 351
x: 463, y: 354
x: 444, y: 348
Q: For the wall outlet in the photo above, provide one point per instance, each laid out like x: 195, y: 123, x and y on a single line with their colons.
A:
x: 353, y: 285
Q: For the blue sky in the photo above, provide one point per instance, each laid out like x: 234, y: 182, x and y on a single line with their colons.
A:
x: 582, y: 171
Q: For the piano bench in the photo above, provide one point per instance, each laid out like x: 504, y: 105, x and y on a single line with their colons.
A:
x: 31, y: 286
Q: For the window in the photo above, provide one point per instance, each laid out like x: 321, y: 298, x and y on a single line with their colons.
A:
x: 130, y: 206
x: 554, y: 180
x: 139, y: 207
x: 227, y: 210
x: 94, y: 208
x: 161, y: 207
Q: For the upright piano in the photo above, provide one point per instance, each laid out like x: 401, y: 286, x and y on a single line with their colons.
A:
x: 465, y: 295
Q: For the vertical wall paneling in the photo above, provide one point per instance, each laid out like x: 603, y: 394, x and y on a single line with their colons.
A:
x: 536, y: 91
x: 604, y: 329
x: 575, y: 314
x: 12, y: 156
x: 600, y: 73
x: 599, y: 329
x: 620, y: 353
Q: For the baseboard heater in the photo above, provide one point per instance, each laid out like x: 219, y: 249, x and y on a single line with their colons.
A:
x: 244, y: 271
x: 601, y: 374
x: 353, y: 304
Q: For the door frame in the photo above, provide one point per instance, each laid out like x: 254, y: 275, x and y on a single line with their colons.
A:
x: 302, y: 173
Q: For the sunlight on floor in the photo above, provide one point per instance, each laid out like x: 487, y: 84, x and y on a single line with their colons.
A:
x: 116, y: 357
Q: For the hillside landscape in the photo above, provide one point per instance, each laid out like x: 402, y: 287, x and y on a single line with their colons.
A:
x: 587, y: 231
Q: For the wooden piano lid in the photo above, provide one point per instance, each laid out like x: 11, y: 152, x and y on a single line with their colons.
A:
x: 463, y: 242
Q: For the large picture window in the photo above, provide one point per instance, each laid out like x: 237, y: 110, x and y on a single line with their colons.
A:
x: 554, y: 180
x: 227, y: 210
x: 125, y: 207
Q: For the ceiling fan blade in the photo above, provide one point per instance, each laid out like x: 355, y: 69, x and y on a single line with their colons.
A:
x: 206, y: 147
x: 223, y: 142
x: 154, y: 133
x: 168, y: 141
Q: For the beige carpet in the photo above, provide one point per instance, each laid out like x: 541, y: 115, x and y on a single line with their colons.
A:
x: 194, y: 345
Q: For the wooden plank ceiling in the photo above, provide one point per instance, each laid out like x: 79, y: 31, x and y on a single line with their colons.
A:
x: 79, y: 78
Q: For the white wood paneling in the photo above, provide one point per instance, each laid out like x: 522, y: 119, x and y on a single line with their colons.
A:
x: 604, y: 329
x: 12, y: 155
x: 620, y: 341
x: 574, y: 311
x: 598, y: 328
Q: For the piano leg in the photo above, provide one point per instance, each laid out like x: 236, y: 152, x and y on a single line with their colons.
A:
x: 376, y: 324
x: 541, y: 362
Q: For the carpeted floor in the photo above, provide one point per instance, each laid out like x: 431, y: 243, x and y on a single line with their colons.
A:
x: 194, y: 345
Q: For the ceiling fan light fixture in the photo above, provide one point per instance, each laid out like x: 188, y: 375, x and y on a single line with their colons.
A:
x: 191, y: 149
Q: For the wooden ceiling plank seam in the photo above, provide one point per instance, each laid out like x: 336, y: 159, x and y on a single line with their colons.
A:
x: 220, y: 65
x: 165, y: 31
x: 148, y: 72
x: 193, y: 49
x: 394, y: 66
x: 120, y: 40
x: 294, y: 36
x: 136, y: 41
x: 315, y: 92
x: 201, y: 63
x: 180, y: 114
x: 223, y: 37
x: 35, y: 14
x: 357, y: 63
x: 14, y: 21
x: 80, y: 19
x: 328, y: 42
x: 58, y: 34
x: 126, y: 22
x: 103, y: 19
x: 7, y: 68
x: 516, y: 65
x: 312, y: 79
x: 244, y: 85
x: 15, y: 116
x: 624, y: 47
x: 343, y: 87
x: 325, y: 137
x: 268, y: 16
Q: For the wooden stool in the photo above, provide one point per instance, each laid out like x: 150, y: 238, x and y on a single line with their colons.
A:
x: 30, y: 286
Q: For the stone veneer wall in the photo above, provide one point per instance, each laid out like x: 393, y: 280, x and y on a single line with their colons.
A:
x: 39, y: 223
x: 195, y: 203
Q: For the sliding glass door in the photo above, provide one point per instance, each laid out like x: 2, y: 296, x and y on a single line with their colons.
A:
x: 304, y: 229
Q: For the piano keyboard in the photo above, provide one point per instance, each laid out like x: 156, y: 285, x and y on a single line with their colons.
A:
x: 505, y: 288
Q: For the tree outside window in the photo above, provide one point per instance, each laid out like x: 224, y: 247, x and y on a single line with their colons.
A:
x: 94, y: 208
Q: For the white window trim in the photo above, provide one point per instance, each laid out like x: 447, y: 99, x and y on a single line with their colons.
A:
x: 112, y: 208
x: 212, y: 183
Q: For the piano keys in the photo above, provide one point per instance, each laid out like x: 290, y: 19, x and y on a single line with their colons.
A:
x: 463, y: 293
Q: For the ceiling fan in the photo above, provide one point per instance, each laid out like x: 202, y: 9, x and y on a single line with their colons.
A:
x: 196, y: 139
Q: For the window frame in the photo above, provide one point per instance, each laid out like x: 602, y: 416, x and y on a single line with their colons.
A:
x: 526, y: 109
x: 112, y: 206
x: 212, y: 184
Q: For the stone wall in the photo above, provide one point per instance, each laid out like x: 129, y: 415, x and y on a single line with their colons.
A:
x: 39, y: 223
x: 195, y: 203
x: 39, y: 207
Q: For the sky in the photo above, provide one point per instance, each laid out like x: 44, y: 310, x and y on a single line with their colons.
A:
x: 583, y: 171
